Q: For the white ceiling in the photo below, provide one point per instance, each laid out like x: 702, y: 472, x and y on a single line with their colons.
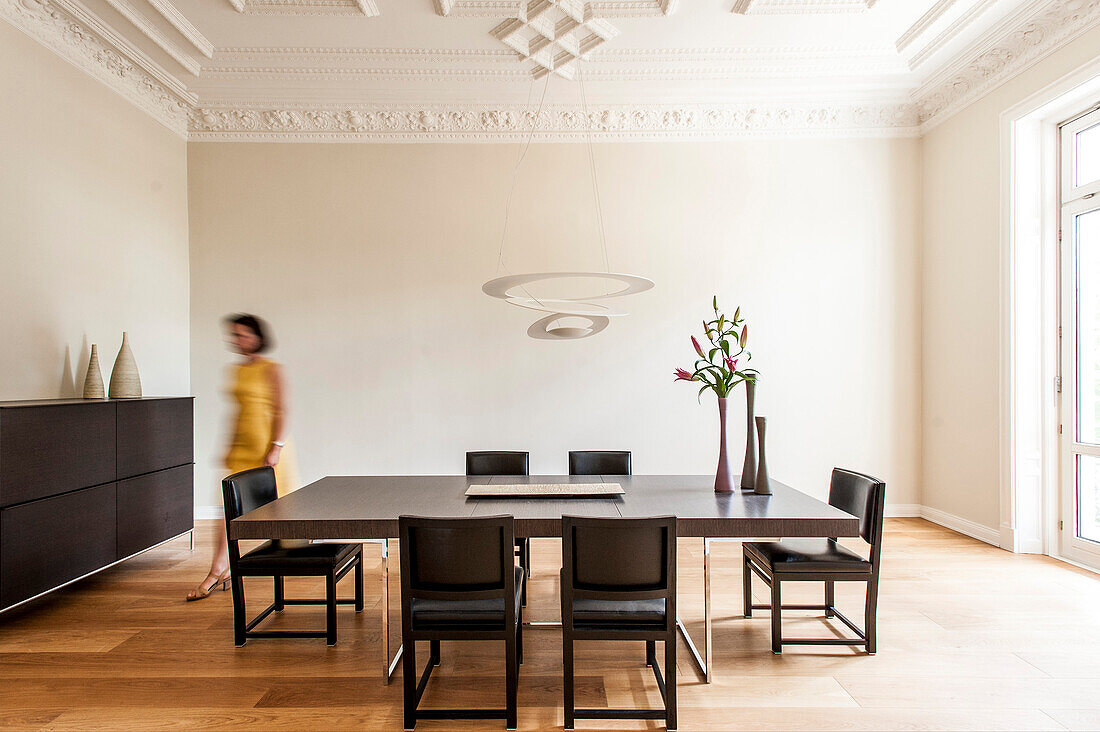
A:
x: 245, y: 67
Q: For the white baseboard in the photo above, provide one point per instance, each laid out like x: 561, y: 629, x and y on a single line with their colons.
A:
x: 209, y: 512
x: 961, y: 525
x: 903, y: 510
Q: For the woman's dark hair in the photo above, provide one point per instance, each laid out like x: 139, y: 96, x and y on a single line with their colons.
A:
x: 255, y: 325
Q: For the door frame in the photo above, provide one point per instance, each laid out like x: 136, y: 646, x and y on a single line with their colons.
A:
x: 1030, y: 215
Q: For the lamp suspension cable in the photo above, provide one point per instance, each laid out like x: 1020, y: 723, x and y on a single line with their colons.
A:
x: 519, y: 162
x: 581, y: 73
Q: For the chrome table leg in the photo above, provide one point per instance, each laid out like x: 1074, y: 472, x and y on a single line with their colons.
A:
x: 703, y: 664
x: 388, y: 665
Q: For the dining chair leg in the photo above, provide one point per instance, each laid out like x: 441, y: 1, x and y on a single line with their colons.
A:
x: 511, y: 680
x: 519, y: 638
x: 670, y: 681
x: 408, y: 680
x: 525, y: 563
x: 239, y: 619
x: 280, y: 595
x: 830, y: 598
x: 358, y: 579
x: 567, y: 674
x: 650, y: 653
x: 330, y: 608
x: 746, y: 587
x: 777, y: 616
x: 433, y: 653
x: 870, y: 613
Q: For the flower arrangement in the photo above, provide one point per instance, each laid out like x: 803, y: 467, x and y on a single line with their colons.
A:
x: 717, y: 367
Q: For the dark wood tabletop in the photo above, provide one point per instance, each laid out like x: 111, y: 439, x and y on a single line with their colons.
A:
x: 367, y: 507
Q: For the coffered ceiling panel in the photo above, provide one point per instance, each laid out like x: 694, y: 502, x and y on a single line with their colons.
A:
x: 473, y: 69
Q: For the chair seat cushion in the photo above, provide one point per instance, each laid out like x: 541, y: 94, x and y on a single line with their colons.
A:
x: 274, y: 554
x: 428, y: 612
x: 807, y: 555
x: 618, y: 611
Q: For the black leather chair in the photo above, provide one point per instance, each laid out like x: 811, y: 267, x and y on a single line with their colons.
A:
x: 459, y: 581
x: 824, y: 560
x: 250, y: 489
x: 498, y: 462
x: 619, y: 583
x: 505, y: 462
x: 599, y: 462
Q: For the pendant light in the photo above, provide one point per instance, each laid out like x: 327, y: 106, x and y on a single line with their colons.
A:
x: 568, y: 318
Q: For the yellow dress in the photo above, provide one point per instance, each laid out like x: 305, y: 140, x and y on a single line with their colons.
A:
x: 252, y: 433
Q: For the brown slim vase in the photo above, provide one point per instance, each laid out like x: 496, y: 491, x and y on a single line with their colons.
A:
x: 763, y: 483
x: 748, y: 470
x: 723, y: 479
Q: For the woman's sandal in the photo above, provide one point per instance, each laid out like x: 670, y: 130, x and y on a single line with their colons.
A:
x: 202, y: 591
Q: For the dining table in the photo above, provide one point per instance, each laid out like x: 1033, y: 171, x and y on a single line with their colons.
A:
x: 359, y: 508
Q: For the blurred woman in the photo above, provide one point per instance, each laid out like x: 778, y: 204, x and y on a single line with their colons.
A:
x: 259, y: 432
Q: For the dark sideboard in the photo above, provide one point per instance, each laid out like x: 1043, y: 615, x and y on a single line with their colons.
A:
x: 87, y: 483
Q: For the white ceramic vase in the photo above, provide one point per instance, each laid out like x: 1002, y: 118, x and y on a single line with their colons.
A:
x: 125, y: 380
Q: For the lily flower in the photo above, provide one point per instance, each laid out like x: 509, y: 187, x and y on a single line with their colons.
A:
x: 684, y: 375
x: 744, y: 335
x: 731, y: 363
x: 698, y: 348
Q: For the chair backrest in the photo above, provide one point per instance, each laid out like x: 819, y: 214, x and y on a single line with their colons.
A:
x: 619, y: 558
x: 457, y: 558
x: 247, y: 490
x: 862, y: 496
x: 500, y: 462
x: 599, y: 462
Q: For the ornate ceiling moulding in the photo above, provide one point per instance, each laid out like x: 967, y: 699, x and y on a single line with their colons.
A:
x: 946, y: 35
x: 1008, y: 49
x: 554, y: 124
x: 554, y: 35
x: 368, y: 8
x: 513, y: 8
x: 68, y: 30
x: 800, y: 7
x: 672, y: 64
x: 923, y: 23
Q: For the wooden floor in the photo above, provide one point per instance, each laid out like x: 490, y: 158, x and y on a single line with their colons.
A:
x: 970, y: 637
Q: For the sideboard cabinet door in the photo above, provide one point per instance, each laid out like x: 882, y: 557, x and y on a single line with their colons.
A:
x: 45, y: 451
x: 46, y: 543
x: 154, y: 435
x: 153, y: 508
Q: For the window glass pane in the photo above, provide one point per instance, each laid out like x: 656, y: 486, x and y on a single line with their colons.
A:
x: 1088, y: 155
x: 1088, y: 327
x: 1088, y: 497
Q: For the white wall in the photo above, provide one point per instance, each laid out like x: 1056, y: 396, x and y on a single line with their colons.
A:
x: 368, y: 261
x: 960, y: 294
x: 93, y: 231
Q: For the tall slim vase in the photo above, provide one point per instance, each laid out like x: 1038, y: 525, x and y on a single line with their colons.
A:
x: 723, y: 479
x: 763, y: 485
x: 125, y: 380
x: 93, y: 379
x: 748, y: 470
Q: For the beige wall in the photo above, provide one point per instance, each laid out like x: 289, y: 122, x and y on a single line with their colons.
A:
x: 368, y: 261
x: 960, y: 294
x: 93, y: 230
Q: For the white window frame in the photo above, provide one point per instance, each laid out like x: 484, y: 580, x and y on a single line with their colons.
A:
x: 1076, y: 200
